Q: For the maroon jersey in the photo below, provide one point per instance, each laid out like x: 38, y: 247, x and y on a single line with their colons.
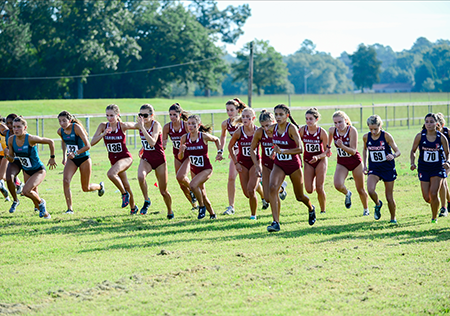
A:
x: 344, y: 158
x: 154, y: 155
x: 244, y: 143
x: 175, y: 136
x: 267, y: 150
x: 312, y: 144
x: 289, y: 163
x: 116, y: 144
x: 231, y: 130
x: 198, y: 153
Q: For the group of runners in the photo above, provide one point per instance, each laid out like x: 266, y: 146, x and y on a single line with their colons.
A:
x: 261, y: 172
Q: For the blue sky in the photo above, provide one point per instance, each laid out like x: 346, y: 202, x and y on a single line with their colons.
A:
x: 337, y: 26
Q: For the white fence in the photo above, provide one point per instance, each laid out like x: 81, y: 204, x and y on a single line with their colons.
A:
x: 393, y: 114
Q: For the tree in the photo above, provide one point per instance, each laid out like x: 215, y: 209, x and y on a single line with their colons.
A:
x: 268, y: 67
x: 366, y: 67
x: 329, y: 74
x: 228, y: 23
x: 424, y: 72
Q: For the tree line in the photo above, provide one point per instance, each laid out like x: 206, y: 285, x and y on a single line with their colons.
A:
x: 144, y: 49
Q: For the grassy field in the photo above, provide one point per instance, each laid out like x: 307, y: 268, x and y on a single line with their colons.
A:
x: 102, y: 261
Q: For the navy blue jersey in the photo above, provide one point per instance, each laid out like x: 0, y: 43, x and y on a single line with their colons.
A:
x: 445, y: 132
x: 378, y: 150
x: 73, y: 142
x: 27, y: 155
x: 431, y: 154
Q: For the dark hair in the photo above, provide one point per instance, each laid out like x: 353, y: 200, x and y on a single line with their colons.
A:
x: 238, y: 104
x: 177, y: 108
x: 11, y: 116
x: 116, y: 110
x: 436, y: 119
x: 266, y: 116
x: 71, y: 118
x: 314, y: 112
x: 2, y: 119
x: 201, y: 127
x: 287, y: 111
x: 148, y: 107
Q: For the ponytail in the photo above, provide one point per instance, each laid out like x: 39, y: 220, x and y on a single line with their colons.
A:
x: 201, y: 128
x: 177, y: 108
x: 238, y: 104
x: 343, y: 115
x: 116, y: 110
x: 71, y: 118
x: 287, y: 111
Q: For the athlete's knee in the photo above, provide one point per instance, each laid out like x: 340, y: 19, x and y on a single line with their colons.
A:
x: 85, y: 187
x: 66, y: 182
x: 273, y: 188
x: 371, y: 191
x: 193, y: 187
x: 309, y: 189
x: 141, y: 178
x: 26, y: 191
x: 361, y: 191
x: 111, y: 174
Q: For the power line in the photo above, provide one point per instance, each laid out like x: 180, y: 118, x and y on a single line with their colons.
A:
x: 108, y: 74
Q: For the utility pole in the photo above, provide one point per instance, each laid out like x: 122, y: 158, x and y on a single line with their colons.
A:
x: 306, y: 76
x: 250, y: 75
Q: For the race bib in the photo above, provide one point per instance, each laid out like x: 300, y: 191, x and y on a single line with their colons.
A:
x: 71, y: 148
x: 284, y: 157
x: 268, y: 151
x: 146, y: 145
x: 114, y: 148
x: 246, y: 151
x: 431, y: 156
x: 377, y: 156
x: 25, y: 162
x: 342, y: 153
x: 176, y: 144
x: 197, y: 161
x: 312, y: 148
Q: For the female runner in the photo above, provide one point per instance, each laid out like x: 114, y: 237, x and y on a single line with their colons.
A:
x: 14, y: 185
x: 23, y: 146
x: 315, y: 157
x: 75, y: 145
x: 243, y: 161
x: 234, y: 109
x: 431, y: 143
x: 345, y: 139
x: 175, y: 129
x: 380, y: 144
x: 444, y: 192
x: 153, y: 158
x: 113, y: 134
x: 3, y: 162
x: 286, y: 150
x: 263, y: 136
x: 195, y: 146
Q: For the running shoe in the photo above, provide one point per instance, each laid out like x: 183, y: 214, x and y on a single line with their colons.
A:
x: 393, y: 221
x: 366, y: 213
x: 102, y: 189
x: 377, y: 214
x: 348, y: 199
x: 36, y: 209
x: 443, y: 212
x: 265, y: 205
x: 201, y: 212
x: 7, y: 199
x: 19, y: 188
x: 125, y: 199
x: 193, y: 198
x: 47, y: 216
x: 322, y: 212
x: 274, y: 227
x: 14, y: 206
x: 213, y: 216
x: 69, y: 212
x: 170, y: 216
x: 134, y: 210
x: 253, y: 217
x: 229, y: 211
x: 42, y: 209
x: 195, y: 209
x: 144, y: 208
x: 283, y: 195
x: 312, y: 216
x: 434, y: 221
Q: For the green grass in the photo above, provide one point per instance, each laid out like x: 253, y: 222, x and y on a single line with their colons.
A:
x: 102, y: 261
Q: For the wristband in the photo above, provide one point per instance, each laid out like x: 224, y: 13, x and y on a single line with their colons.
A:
x: 220, y: 151
x: 328, y: 146
x: 52, y: 156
